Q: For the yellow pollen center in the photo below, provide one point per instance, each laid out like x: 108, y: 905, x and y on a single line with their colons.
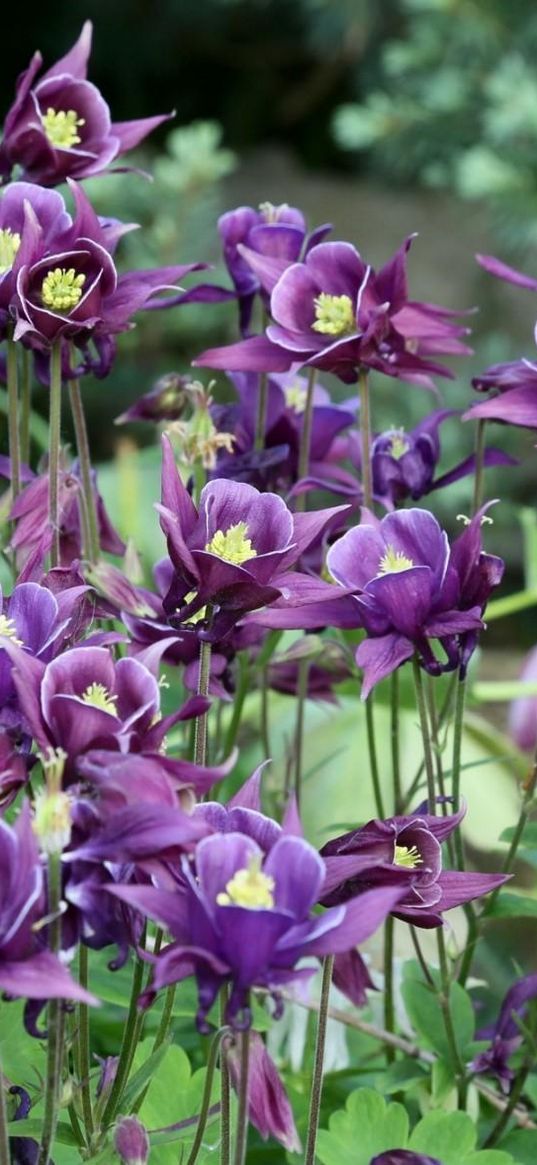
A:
x: 398, y: 444
x: 394, y: 561
x: 334, y: 314
x: 10, y: 242
x: 61, y: 289
x: 248, y: 888
x: 8, y: 630
x: 295, y: 398
x: 199, y: 615
x: 61, y: 127
x: 233, y: 545
x: 99, y: 697
x: 407, y: 856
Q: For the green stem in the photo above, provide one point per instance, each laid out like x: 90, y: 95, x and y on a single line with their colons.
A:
x: 479, y: 464
x: 444, y: 999
x: 84, y: 1045
x: 441, y: 722
x: 373, y: 761
x: 317, y: 1080
x: 215, y: 1048
x: 238, y: 704
x: 365, y: 431
x: 127, y: 1049
x: 13, y: 417
x: 389, y: 1009
x: 5, y: 1155
x: 242, y: 1112
x: 305, y: 437
x: 394, y: 740
x: 54, y: 1019
x: 26, y: 405
x: 458, y: 722
x: 424, y: 725
x: 200, y: 731
x: 261, y: 418
x: 421, y: 957
x: 225, y: 1092
x: 302, y: 691
x: 514, y: 1096
x: 91, y: 550
x: 55, y: 412
x: 435, y: 737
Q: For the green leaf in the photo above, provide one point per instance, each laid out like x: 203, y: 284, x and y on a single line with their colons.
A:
x: 142, y: 1077
x: 522, y: 1143
x: 423, y: 1008
x: 366, y: 1127
x: 451, y: 1133
x: 513, y: 906
x: 23, y: 1057
x: 33, y: 1127
x: 402, y: 1074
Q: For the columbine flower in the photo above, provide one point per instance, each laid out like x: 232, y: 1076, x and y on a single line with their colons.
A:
x: 514, y: 398
x: 269, y: 1109
x: 403, y: 1157
x: 245, y: 919
x: 47, y: 209
x: 235, y: 552
x: 505, y: 1035
x: 131, y: 1141
x: 60, y: 126
x: 403, y: 851
x: 410, y: 588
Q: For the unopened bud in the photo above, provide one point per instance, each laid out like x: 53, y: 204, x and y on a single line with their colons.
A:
x: 131, y: 1141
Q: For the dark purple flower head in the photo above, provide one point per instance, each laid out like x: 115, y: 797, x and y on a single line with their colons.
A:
x: 48, y: 211
x: 403, y: 851
x: 278, y: 233
x: 235, y: 552
x: 165, y: 402
x: 514, y: 395
x: 403, y: 1157
x: 269, y: 1109
x: 245, y: 919
x: 59, y: 126
x: 506, y: 1035
x: 131, y: 1141
x: 410, y: 588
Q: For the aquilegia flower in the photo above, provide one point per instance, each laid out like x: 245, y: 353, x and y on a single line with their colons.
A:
x: 60, y: 126
x: 48, y: 210
x: 245, y: 919
x: 410, y: 587
x: 506, y: 1035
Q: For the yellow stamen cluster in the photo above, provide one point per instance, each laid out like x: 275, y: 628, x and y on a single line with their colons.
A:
x: 398, y: 444
x: 99, y: 697
x: 61, y: 289
x: 407, y: 856
x: 61, y: 127
x: 248, y: 888
x: 394, y: 561
x: 8, y: 630
x: 233, y: 545
x: 334, y: 314
x: 198, y: 615
x: 295, y: 398
x: 10, y: 242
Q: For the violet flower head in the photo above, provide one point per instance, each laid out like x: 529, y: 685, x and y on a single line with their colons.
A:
x: 131, y: 1141
x: 506, y: 1035
x: 245, y: 920
x: 513, y: 399
x: 411, y: 588
x: 234, y: 553
x: 269, y: 1109
x: 403, y: 1157
x: 403, y: 851
x: 59, y: 125
x: 48, y: 211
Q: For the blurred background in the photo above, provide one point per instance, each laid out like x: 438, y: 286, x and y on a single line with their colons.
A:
x: 383, y: 118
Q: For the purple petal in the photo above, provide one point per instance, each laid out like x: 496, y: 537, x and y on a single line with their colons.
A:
x: 42, y: 976
x: 502, y: 271
x: 517, y: 406
x: 298, y: 872
x: 380, y: 657
x: 256, y: 354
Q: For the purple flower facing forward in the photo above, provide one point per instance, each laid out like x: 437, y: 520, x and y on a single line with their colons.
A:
x: 278, y: 233
x: 411, y: 588
x: 48, y: 211
x: 27, y: 968
x: 506, y: 1035
x: 60, y: 126
x: 335, y: 313
x: 403, y: 851
x: 245, y: 919
x: 236, y: 552
x: 404, y: 464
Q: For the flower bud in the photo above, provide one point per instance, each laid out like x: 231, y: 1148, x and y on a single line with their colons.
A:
x: 131, y: 1141
x: 52, y: 821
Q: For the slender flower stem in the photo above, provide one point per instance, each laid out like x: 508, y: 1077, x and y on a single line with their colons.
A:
x: 305, y: 436
x: 200, y: 730
x: 389, y: 1010
x: 458, y: 722
x: 84, y: 1045
x: 511, y: 1103
x: 5, y: 1155
x: 242, y: 1113
x: 365, y: 431
x: 445, y: 1004
x: 215, y: 1049
x: 261, y: 418
x: 127, y: 1049
x: 373, y: 761
x: 421, y: 957
x: 302, y: 691
x: 54, y: 1019
x: 55, y: 412
x: 442, y: 717
x: 225, y: 1092
x: 394, y: 740
x: 26, y: 404
x: 317, y: 1080
x: 82, y: 444
x: 424, y: 724
x: 479, y: 464
x: 13, y: 417
x: 435, y: 736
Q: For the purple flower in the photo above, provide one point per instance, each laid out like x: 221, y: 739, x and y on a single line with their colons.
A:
x: 269, y: 1109
x: 403, y: 1157
x: 278, y: 233
x: 515, y: 399
x: 60, y: 126
x: 410, y: 588
x: 48, y: 211
x: 523, y: 710
x: 234, y: 553
x: 335, y: 313
x: 245, y: 919
x: 131, y: 1141
x: 165, y: 402
x: 506, y: 1035
x: 402, y: 851
x: 27, y: 968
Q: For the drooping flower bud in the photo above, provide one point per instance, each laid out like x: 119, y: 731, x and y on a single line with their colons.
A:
x: 268, y: 1104
x: 131, y: 1141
